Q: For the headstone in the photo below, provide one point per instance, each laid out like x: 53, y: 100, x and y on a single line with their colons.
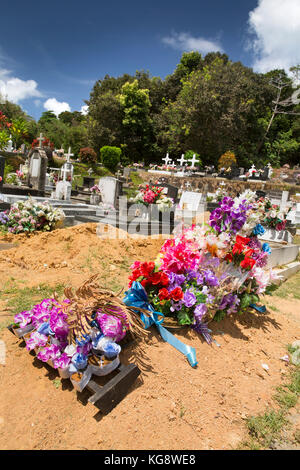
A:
x: 88, y: 182
x: 190, y: 201
x: 284, y: 200
x: 170, y: 190
x: 38, y: 161
x: 110, y: 190
x: 63, y: 190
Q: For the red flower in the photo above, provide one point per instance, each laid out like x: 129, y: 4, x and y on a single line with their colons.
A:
x: 145, y: 283
x: 164, y: 280
x: 155, y: 278
x: 229, y: 257
x: 146, y: 269
x: 163, y: 294
x: 242, y: 240
x: 176, y: 294
x: 247, y: 263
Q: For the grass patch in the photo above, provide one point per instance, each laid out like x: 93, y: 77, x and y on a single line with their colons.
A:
x: 288, y: 289
x: 20, y: 299
x: 56, y: 383
x: 265, y: 428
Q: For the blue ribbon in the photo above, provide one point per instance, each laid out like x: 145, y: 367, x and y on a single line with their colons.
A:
x: 261, y: 309
x: 136, y: 296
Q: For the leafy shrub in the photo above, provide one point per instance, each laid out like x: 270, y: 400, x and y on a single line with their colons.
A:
x: 227, y: 160
x: 87, y: 154
x: 110, y: 157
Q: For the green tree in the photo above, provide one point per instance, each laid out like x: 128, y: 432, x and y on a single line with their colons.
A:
x: 137, y: 123
x: 110, y: 157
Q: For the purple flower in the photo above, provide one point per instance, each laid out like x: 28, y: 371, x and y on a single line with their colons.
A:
x: 58, y: 323
x: 200, y: 311
x: 254, y: 243
x: 176, y: 306
x: 36, y: 339
x: 23, y: 318
x: 50, y: 352
x: 229, y: 302
x: 210, y: 278
x: 85, y: 348
x: 110, y: 326
x: 195, y: 275
x: 176, y: 280
x: 189, y: 299
x: 62, y: 361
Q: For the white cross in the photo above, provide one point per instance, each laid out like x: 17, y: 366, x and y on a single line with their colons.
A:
x: 166, y: 159
x: 193, y: 160
x: 40, y: 139
x: 69, y: 154
x: 173, y: 164
x: 182, y: 160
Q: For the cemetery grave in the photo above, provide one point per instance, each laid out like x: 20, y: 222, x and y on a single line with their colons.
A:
x: 69, y: 256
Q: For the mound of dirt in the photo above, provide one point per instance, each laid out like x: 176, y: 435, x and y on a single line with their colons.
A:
x: 171, y: 405
x: 70, y: 254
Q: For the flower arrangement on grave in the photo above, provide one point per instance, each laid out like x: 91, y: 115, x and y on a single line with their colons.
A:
x: 95, y: 190
x: 207, y: 273
x: 272, y: 216
x: 29, y: 216
x: 80, y: 334
x: 153, y: 195
x: 276, y: 217
x: 53, y: 177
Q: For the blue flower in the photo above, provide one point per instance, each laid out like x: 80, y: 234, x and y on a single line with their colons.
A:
x: 111, y: 350
x: 258, y: 230
x: 79, y: 360
x: 266, y: 248
x: 44, y: 329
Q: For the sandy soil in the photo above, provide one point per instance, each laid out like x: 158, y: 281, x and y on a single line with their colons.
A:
x: 171, y: 405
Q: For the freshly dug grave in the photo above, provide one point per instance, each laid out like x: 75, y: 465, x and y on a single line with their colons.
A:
x: 171, y: 405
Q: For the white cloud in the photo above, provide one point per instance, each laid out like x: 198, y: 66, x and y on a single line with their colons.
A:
x: 276, y: 25
x: 186, y: 42
x: 15, y: 89
x: 56, y: 106
x: 84, y: 109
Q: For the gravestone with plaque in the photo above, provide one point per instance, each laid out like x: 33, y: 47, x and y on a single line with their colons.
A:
x: 38, y: 161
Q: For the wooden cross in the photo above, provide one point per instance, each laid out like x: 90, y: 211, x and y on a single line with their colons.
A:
x: 182, y: 160
x: 193, y: 160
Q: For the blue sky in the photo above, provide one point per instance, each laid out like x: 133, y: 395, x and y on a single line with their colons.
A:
x: 51, y: 53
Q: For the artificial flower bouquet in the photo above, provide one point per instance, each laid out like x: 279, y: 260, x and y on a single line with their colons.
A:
x: 207, y: 273
x: 80, y: 335
x: 153, y: 195
x: 30, y: 215
x: 95, y: 190
x: 275, y: 217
